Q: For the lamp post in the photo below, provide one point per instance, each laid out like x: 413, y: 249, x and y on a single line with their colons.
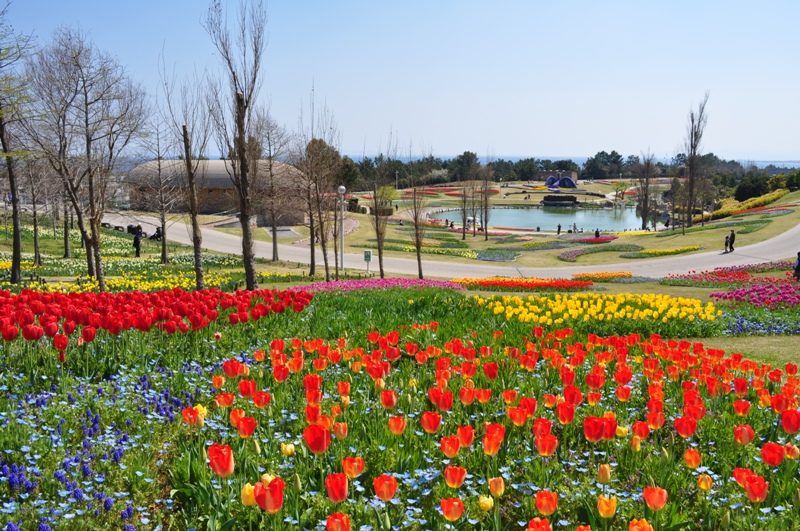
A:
x: 342, y: 190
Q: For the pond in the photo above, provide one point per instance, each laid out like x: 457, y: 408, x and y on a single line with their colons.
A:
x: 548, y: 218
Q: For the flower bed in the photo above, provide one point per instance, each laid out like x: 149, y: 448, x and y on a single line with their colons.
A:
x: 378, y: 283
x: 592, y: 239
x: 522, y: 284
x: 603, y: 276
x: 651, y: 253
x: 780, y: 295
x: 572, y: 255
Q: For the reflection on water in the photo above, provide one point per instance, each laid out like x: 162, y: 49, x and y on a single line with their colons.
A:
x: 548, y: 218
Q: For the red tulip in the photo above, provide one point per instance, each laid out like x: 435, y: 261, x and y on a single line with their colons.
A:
x: 692, y: 458
x: 385, y: 487
x: 539, y: 524
x: 546, y: 444
x: 317, y: 438
x: 247, y: 388
x: 546, y: 502
x: 336, y: 485
x: 224, y: 399
x: 640, y: 429
x: 269, y: 497
x: 452, y: 509
x: 542, y: 426
x: 741, y: 407
x: 261, y: 399
x: 454, y: 476
x: 312, y: 382
x: 343, y: 388
x: 232, y: 367
x: 655, y: 498
x: 60, y: 342
x: 517, y: 415
x: 573, y: 395
x: 450, y: 446
x: 430, y: 421
x: 685, y: 426
x: 337, y: 522
x: 220, y: 458
x: 743, y: 434
x: 565, y: 413
x: 756, y: 488
x: 235, y: 416
x: 772, y: 454
x: 741, y: 475
x: 388, y: 399
x: 466, y: 395
x: 655, y: 419
x: 623, y: 393
x: 483, y: 395
x: 490, y: 370
x: 353, y: 466
x: 397, y: 425
x: 246, y: 426
x: 790, y: 420
x: 509, y: 396
x: 593, y: 429
x: 88, y: 334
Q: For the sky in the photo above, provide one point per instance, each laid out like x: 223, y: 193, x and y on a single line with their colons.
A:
x: 503, y: 79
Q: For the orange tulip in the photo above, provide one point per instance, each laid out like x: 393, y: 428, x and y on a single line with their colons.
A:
x: 397, y: 425
x: 220, y: 458
x: 385, y: 487
x: 430, y: 421
x: 604, y: 474
x: 269, y: 497
x: 235, y: 416
x: 741, y: 407
x: 606, y: 507
x: 218, y: 381
x: 466, y: 395
x: 704, y: 482
x: 497, y: 486
x: 337, y: 522
x: 454, y: 476
x: 224, y: 399
x: 353, y: 466
x: 450, y: 446
x: 466, y: 435
x: 640, y: 525
x: 546, y: 502
x: 655, y: 498
x: 517, y: 415
x: 452, y: 509
x: 340, y: 430
x: 546, y: 444
x: 692, y: 458
x: 336, y: 485
x: 509, y: 396
x: 483, y: 395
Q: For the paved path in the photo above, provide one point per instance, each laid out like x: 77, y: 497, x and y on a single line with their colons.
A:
x: 783, y: 246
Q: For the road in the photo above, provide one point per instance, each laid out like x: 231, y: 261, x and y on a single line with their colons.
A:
x: 783, y: 246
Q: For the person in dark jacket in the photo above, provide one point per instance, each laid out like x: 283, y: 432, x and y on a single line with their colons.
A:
x: 137, y: 240
x: 731, y: 239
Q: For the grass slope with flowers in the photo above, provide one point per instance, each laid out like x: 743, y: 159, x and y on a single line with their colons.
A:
x: 399, y: 406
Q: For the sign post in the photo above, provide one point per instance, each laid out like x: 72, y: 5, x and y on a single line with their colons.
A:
x: 368, y: 258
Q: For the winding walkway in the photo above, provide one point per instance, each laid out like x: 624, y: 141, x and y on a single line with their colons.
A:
x: 781, y: 247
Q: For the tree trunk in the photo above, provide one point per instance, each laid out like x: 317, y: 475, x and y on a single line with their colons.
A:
x: 274, y: 239
x: 245, y: 207
x: 164, y: 250
x: 419, y: 262
x: 37, y: 255
x: 197, y: 236
x: 312, y: 270
x: 67, y: 247
x: 16, y: 253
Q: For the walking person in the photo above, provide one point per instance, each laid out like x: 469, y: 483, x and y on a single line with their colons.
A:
x: 137, y: 241
x: 797, y: 268
x: 727, y: 244
x: 731, y: 240
x: 559, y: 229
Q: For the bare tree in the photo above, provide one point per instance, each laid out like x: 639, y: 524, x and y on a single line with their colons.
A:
x: 418, y: 207
x: 645, y: 174
x: 318, y: 160
x: 36, y: 179
x: 274, y: 186
x: 694, y: 137
x: 87, y: 113
x: 13, y: 92
x: 241, y: 56
x: 382, y: 195
x: 487, y: 177
x: 190, y: 124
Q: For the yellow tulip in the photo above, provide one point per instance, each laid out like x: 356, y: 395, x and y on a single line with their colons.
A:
x: 248, y: 496
x: 486, y: 503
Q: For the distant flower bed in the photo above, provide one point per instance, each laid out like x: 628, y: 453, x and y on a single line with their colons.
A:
x: 410, y: 194
x: 544, y: 245
x: 378, y: 283
x: 490, y: 191
x: 633, y: 233
x: 516, y: 229
x: 781, y: 295
x: 571, y: 255
x: 522, y: 284
x: 592, y: 239
x: 651, y: 253
x: 602, y: 276
x: 764, y: 267
x: 454, y: 194
x: 497, y: 255
x: 491, y: 232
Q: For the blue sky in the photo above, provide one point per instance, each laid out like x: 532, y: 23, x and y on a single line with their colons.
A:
x: 502, y: 78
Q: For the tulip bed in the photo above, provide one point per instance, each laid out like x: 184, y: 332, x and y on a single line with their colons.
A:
x: 522, y: 284
x: 394, y: 408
